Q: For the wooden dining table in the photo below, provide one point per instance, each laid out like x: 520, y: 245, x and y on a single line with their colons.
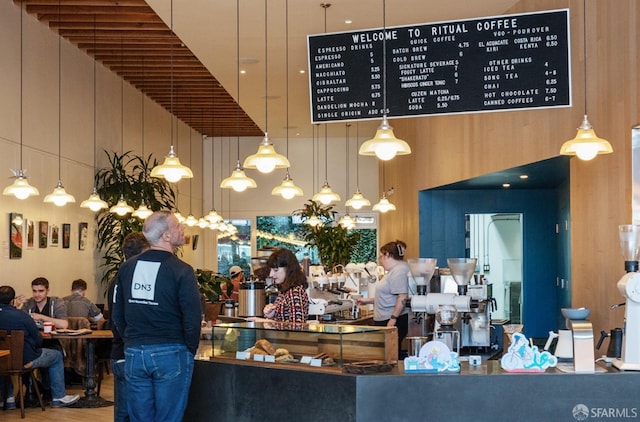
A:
x: 91, y: 398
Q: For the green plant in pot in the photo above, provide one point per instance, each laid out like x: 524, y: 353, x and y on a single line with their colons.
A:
x: 335, y: 243
x: 127, y: 177
x: 211, y: 285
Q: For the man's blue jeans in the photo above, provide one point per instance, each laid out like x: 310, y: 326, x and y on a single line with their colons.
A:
x: 158, y: 379
x: 120, y: 410
x: 52, y: 360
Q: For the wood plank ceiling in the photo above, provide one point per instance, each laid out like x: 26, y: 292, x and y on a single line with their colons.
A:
x: 128, y: 37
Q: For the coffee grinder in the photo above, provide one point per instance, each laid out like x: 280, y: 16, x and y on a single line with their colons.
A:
x: 629, y: 287
x: 422, y: 270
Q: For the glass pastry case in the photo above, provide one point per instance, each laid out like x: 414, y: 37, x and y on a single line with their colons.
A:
x: 314, y: 344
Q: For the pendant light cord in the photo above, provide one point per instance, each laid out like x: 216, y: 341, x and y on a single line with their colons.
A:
x: 171, y: 75
x: 121, y: 97
x: 142, y: 109
x: 213, y: 133
x: 266, y: 69
x: 584, y: 41
x: 59, y: 93
x: 326, y: 158
x: 384, y: 57
x: 347, y: 155
x: 95, y: 142
x: 21, y: 94
x: 286, y: 71
x: 238, y: 75
x: 357, y: 157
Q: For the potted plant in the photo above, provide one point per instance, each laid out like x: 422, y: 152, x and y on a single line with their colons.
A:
x: 335, y: 243
x: 126, y: 176
x: 211, y: 286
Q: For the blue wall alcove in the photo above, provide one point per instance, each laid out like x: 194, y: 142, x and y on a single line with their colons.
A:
x: 442, y: 228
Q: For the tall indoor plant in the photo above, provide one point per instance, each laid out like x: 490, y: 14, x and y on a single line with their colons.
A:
x: 127, y: 176
x: 335, y: 243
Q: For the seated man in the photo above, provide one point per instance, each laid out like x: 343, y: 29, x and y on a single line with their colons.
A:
x: 78, y: 305
x: 42, y: 307
x: 34, y: 356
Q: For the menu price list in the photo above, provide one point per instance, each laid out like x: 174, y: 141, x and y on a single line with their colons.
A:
x: 498, y: 63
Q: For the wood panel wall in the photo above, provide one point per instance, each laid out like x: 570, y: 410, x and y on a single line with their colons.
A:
x: 447, y: 149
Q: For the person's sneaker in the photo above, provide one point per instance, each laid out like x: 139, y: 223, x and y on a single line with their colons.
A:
x: 11, y: 403
x: 65, y: 401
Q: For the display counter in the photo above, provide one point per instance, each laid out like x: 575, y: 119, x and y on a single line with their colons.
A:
x: 223, y: 390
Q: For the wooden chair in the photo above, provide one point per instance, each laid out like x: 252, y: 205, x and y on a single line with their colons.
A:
x: 74, y: 350
x: 12, y: 367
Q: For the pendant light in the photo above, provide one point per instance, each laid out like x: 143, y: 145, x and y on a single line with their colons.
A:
x: 94, y: 202
x: 326, y: 196
x: 213, y: 217
x: 121, y: 208
x: 20, y: 188
x: 314, y: 221
x: 191, y: 220
x: 59, y: 197
x: 142, y: 212
x: 384, y: 205
x: 346, y: 221
x: 266, y: 159
x: 357, y: 201
x: 384, y: 144
x: 171, y: 169
x: 287, y: 189
x: 238, y: 181
x: 586, y: 145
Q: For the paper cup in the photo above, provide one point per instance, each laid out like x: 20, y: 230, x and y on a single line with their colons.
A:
x: 47, y: 327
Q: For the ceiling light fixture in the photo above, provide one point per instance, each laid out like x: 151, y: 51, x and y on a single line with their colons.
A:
x: 586, y: 145
x: 238, y: 181
x: 94, y: 202
x: 266, y: 159
x: 59, y: 197
x: 357, y: 201
x: 326, y: 195
x: 384, y: 144
x: 346, y: 221
x: 121, y: 208
x: 213, y: 217
x: 171, y: 169
x: 20, y: 188
x: 191, y: 220
x: 384, y: 205
x: 142, y: 212
x: 287, y: 189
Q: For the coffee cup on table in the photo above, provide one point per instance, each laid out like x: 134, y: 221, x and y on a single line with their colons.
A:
x: 47, y: 327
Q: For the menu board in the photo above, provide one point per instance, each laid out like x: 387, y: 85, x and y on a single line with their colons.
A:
x: 506, y: 62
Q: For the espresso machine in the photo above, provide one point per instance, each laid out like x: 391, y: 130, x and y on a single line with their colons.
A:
x: 629, y: 287
x: 475, y: 324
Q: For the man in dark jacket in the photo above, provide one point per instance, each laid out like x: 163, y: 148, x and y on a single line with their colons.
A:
x: 156, y: 309
x: 133, y: 244
x: 34, y: 356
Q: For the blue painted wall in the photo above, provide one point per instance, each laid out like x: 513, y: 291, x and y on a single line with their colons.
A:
x: 442, y: 236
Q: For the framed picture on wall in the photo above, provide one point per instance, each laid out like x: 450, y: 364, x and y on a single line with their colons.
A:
x: 54, y: 236
x: 16, y: 228
x: 43, y: 234
x: 196, y: 237
x: 30, y: 226
x: 83, y: 233
x: 66, y: 235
